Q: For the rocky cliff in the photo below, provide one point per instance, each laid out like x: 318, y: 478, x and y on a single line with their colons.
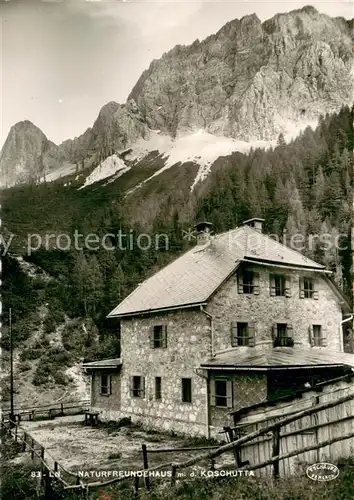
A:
x: 249, y: 81
x: 22, y: 156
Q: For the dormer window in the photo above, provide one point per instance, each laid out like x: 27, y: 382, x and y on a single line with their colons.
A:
x: 248, y: 282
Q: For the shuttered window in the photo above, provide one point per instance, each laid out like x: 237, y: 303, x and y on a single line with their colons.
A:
x: 137, y: 386
x: 158, y: 337
x: 282, y: 335
x: 280, y: 285
x: 221, y: 393
x: 318, y: 336
x: 243, y: 334
x: 308, y: 288
x: 248, y: 282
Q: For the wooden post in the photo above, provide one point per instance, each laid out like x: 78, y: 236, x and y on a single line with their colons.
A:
x: 62, y: 409
x: 136, y: 486
x: 173, y: 477
x: 15, y: 433
x: 145, y: 465
x: 236, y: 450
x: 84, y: 493
x: 32, y: 448
x: 24, y: 441
x: 276, y: 451
x: 42, y: 466
x: 48, y: 493
x: 55, y: 466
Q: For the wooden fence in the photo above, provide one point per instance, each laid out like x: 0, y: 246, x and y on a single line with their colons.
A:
x: 266, y: 445
x: 50, y: 410
x: 327, y: 416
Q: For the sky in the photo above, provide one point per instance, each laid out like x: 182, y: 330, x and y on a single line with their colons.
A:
x: 61, y: 61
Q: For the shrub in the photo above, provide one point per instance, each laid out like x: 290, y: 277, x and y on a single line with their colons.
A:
x: 49, y: 324
x: 25, y: 366
x: 31, y: 354
x: 50, y: 367
x: 58, y: 356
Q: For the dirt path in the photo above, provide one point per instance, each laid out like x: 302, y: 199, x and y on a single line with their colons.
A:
x: 77, y: 447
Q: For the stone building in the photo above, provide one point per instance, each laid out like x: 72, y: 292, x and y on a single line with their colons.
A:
x: 237, y: 320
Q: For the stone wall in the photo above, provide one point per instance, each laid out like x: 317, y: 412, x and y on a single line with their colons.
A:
x: 228, y: 305
x: 107, y: 402
x: 188, y: 344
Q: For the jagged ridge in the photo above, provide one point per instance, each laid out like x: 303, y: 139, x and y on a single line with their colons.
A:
x: 247, y: 81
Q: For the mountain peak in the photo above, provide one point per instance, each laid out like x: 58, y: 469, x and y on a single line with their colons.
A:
x: 309, y: 9
x: 21, y: 157
x: 26, y: 125
x: 250, y: 81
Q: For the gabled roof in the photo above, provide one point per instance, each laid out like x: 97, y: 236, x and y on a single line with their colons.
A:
x: 261, y: 357
x: 193, y: 277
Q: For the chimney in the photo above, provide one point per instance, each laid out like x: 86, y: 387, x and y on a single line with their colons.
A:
x: 203, y: 229
x: 256, y: 223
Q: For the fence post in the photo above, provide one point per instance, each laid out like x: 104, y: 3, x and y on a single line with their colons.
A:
x: 62, y: 409
x: 16, y: 434
x: 136, y: 486
x: 235, y: 450
x: 48, y: 492
x: 24, y: 441
x: 55, y: 466
x: 42, y: 466
x: 32, y: 448
x: 173, y: 476
x: 145, y: 465
x: 276, y: 451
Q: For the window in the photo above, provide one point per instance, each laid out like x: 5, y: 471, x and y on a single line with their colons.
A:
x: 186, y: 390
x: 248, y: 282
x: 157, y: 387
x: 283, y: 335
x: 318, y: 336
x: 137, y: 386
x: 105, y: 385
x: 307, y: 289
x: 242, y: 334
x: 279, y: 285
x: 221, y: 393
x: 158, y: 337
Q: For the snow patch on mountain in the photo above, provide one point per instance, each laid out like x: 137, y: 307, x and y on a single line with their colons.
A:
x: 62, y: 171
x: 204, y: 148
x: 292, y: 129
x: 110, y: 166
x: 154, y: 142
